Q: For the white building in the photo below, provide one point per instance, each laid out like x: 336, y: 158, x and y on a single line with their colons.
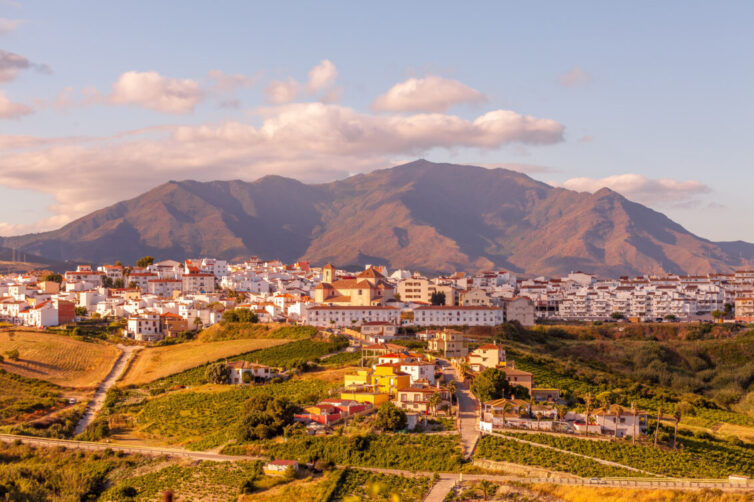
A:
x: 144, y: 327
x: 350, y: 316
x: 458, y: 316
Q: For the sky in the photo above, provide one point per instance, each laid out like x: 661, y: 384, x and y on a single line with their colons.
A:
x: 101, y: 101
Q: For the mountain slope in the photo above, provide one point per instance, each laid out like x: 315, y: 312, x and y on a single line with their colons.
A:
x: 426, y: 216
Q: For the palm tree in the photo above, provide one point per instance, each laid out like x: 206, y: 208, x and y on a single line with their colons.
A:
x: 618, y: 410
x: 539, y: 419
x: 434, y: 401
x: 676, y: 419
x: 657, y: 428
x: 507, y: 408
x: 634, y: 412
x: 453, y: 388
x: 588, y: 400
x: 487, y: 487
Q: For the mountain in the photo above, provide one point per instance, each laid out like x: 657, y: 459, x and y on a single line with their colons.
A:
x: 422, y: 215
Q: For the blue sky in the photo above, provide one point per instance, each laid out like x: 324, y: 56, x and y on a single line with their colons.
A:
x: 100, y: 101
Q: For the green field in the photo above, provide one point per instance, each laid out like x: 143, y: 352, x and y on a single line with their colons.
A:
x: 698, y: 458
x: 394, y: 451
x: 206, y: 417
x: 507, y: 450
x: 21, y: 396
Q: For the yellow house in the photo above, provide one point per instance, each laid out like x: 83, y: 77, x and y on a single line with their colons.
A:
x: 373, y: 398
x: 361, y: 378
x: 388, y: 378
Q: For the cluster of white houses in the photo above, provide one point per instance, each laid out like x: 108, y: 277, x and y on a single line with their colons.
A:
x: 198, y: 291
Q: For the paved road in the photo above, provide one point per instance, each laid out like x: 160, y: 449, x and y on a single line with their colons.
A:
x: 467, y: 405
x: 126, y: 353
x: 440, y: 490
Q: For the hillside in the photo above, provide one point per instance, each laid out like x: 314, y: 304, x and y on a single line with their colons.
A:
x: 426, y: 216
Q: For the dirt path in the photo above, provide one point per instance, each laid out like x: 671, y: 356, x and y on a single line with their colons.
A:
x: 95, y: 405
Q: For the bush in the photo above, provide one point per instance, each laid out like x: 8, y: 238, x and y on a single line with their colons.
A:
x: 390, y: 417
x: 240, y: 315
x: 490, y: 384
x: 264, y: 417
x: 13, y: 354
x: 218, y: 373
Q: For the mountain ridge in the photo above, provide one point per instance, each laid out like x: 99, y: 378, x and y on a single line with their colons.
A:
x: 421, y: 215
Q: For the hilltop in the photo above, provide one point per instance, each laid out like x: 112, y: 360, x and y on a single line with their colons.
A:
x: 421, y: 215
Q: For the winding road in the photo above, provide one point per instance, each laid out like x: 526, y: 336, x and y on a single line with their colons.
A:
x: 95, y: 405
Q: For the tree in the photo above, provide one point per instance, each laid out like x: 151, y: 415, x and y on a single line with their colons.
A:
x: 487, y: 487
x: 390, y: 417
x: 240, y: 315
x: 670, y: 318
x: 53, y: 277
x: 657, y: 429
x: 676, y: 418
x: 107, y: 282
x: 618, y: 411
x: 437, y: 298
x: 397, y: 296
x: 118, y: 263
x: 2, y: 359
x: 264, y: 417
x: 588, y: 401
x: 13, y: 354
x: 539, y: 418
x: 490, y: 384
x: 80, y: 311
x: 452, y: 388
x: 634, y: 412
x: 118, y: 283
x: 506, y: 408
x: 198, y: 323
x: 717, y: 314
x: 218, y: 373
x: 617, y: 316
x: 145, y: 261
x: 434, y: 401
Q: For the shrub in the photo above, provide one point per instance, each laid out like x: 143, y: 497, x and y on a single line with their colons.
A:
x: 390, y: 417
x: 218, y: 373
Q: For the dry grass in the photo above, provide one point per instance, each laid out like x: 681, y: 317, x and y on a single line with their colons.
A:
x: 330, y: 375
x: 742, y: 432
x: 588, y: 494
x: 59, y: 359
x: 152, y: 363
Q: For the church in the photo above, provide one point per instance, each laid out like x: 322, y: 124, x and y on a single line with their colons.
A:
x: 368, y: 288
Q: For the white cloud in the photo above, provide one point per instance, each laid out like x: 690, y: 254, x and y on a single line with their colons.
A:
x: 322, y: 76
x: 155, y: 92
x: 8, y: 25
x: 574, y: 78
x: 308, y: 141
x: 637, y: 187
x: 429, y: 94
x: 11, y: 110
x: 282, y: 91
x: 12, y: 64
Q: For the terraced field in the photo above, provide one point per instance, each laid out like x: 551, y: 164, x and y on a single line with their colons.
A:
x: 59, y: 359
x: 153, y: 363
